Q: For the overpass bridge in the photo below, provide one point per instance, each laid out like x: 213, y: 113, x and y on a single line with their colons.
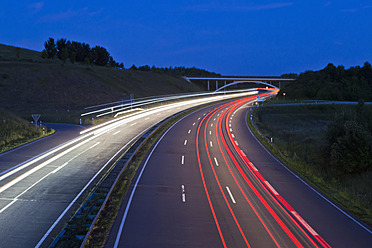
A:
x: 234, y: 80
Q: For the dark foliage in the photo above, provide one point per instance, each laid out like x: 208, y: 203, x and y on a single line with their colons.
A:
x: 78, y: 52
x: 350, y: 142
x: 50, y: 48
x: 333, y: 83
x: 176, y: 71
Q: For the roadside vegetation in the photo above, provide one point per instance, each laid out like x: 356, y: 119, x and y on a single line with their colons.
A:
x: 60, y: 85
x: 15, y: 131
x: 332, y: 83
x: 329, y: 145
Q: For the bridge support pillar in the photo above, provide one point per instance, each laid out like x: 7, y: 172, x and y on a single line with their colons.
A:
x: 208, y: 86
x: 216, y: 84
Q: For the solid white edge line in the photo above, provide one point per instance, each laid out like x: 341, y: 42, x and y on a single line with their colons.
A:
x: 231, y: 196
x: 82, y: 191
x: 137, y: 181
x: 318, y: 193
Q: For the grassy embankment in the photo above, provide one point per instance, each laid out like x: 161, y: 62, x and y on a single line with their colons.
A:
x: 299, y: 140
x: 60, y: 91
x: 15, y: 131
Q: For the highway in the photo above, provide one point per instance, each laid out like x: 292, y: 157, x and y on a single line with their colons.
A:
x: 209, y: 183
x: 38, y: 193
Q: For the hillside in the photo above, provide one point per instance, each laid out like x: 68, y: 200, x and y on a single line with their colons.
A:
x: 29, y: 84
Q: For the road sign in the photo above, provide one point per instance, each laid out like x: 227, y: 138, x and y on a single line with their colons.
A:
x: 36, y: 118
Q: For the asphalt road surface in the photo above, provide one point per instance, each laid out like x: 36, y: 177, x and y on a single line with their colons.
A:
x: 38, y: 193
x: 209, y: 183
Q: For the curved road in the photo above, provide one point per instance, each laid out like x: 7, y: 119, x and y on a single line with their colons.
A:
x: 38, y: 193
x: 210, y: 183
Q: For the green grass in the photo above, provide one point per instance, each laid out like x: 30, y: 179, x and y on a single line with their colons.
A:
x: 298, y: 134
x: 14, y: 131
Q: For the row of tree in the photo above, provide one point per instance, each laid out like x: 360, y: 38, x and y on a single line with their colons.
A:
x: 176, y: 71
x: 333, y: 83
x: 78, y: 52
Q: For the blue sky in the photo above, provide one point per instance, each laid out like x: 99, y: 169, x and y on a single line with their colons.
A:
x: 229, y: 37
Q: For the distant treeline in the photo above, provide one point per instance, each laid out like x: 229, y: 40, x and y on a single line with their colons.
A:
x: 176, y: 71
x: 332, y: 83
x: 78, y: 52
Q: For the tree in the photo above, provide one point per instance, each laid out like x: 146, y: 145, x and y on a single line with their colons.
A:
x: 61, y: 48
x: 349, y: 142
x: 351, y: 153
x: 100, y: 56
x: 133, y: 68
x: 50, y: 48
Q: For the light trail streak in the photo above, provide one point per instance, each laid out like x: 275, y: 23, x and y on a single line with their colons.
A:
x: 261, y: 180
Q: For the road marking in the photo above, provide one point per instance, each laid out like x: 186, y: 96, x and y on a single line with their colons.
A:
x: 185, y: 142
x: 210, y: 132
x: 189, y: 131
x: 212, y: 125
x: 236, y: 142
x: 304, y: 223
x: 133, y: 124
x: 210, y: 142
x: 40, y: 166
x: 116, y: 132
x: 41, y: 179
x: 182, y: 159
x: 199, y: 118
x: 251, y: 164
x: 135, y: 186
x: 59, y: 167
x: 231, y: 196
x: 243, y: 153
x: 230, y: 130
x: 147, y: 118
x: 215, y: 160
x: 230, y: 125
x: 183, y: 193
x: 233, y: 135
x: 193, y: 124
x: 214, y: 119
x: 82, y: 191
x: 271, y: 188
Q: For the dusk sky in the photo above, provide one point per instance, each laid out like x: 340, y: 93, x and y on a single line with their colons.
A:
x: 228, y: 37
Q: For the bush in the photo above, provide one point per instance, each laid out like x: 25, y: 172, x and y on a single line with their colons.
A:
x: 350, y: 146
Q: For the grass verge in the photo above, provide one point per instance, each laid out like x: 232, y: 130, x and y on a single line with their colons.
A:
x: 24, y: 141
